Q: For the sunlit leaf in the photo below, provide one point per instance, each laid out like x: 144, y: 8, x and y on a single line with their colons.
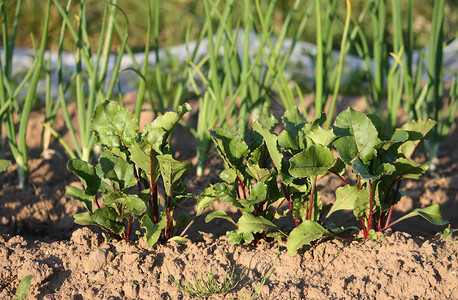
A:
x: 153, y: 231
x: 431, y: 213
x: 359, y: 133
x: 313, y: 161
x: 307, y: 232
x: 108, y: 218
x: 86, y: 173
x: 345, y: 198
x: 113, y: 125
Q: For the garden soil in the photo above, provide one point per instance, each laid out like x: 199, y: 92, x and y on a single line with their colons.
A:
x: 38, y: 237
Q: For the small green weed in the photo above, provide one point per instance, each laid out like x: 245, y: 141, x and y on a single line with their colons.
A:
x: 208, y: 285
x: 23, y: 287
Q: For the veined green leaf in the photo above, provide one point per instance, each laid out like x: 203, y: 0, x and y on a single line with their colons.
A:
x: 145, y: 157
x: 270, y: 140
x: 338, y: 167
x: 167, y: 121
x: 218, y: 214
x: 231, y: 147
x: 347, y: 149
x: 179, y: 239
x: 117, y: 169
x: 307, y: 232
x: 258, y: 173
x: 407, y: 168
x: 322, y: 136
x: 364, y: 135
x: 81, y: 196
x: 228, y: 175
x: 378, y: 123
x: 153, y: 231
x: 251, y: 223
x: 205, y: 200
x: 135, y: 205
x: 313, y: 161
x: 431, y: 213
x: 84, y: 219
x: 172, y: 171
x: 398, y: 137
x: 362, y: 203
x: 157, y: 132
x: 345, y: 198
x: 365, y: 171
x: 113, y: 125
x: 258, y: 193
x: 292, y: 138
x: 236, y: 237
x: 86, y: 173
x: 417, y: 131
x: 108, y: 218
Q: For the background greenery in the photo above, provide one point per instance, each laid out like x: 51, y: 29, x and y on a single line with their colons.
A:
x: 177, y: 15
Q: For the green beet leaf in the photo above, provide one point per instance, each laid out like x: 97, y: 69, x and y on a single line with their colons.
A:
x: 144, y: 156
x: 398, y: 137
x: 378, y: 123
x: 258, y: 173
x: 235, y: 237
x: 249, y: 223
x: 117, y: 170
x: 114, y: 126
x: 218, y: 214
x: 258, y: 193
x: 313, y: 161
x: 86, y: 173
x: 417, y: 132
x: 179, y: 239
x: 205, y: 200
x: 134, y: 203
x: 347, y: 149
x: 362, y: 203
x: 360, y: 135
x: 153, y: 231
x: 172, y: 171
x: 108, y: 218
x: 322, y: 136
x: 84, y: 219
x: 270, y: 139
x: 292, y: 139
x: 338, y: 167
x: 228, y: 175
x: 365, y: 171
x: 157, y: 132
x: 345, y: 198
x: 431, y: 213
x: 231, y: 147
x: 407, y: 168
x: 81, y: 196
x: 307, y: 232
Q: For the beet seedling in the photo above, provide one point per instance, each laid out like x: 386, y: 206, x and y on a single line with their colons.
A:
x: 380, y: 163
x: 129, y: 171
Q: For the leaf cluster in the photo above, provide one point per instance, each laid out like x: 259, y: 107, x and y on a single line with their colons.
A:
x: 283, y: 168
x: 129, y: 171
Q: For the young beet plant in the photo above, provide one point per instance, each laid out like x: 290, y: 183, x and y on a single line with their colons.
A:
x: 380, y: 163
x: 273, y: 170
x: 284, y: 168
x: 129, y: 171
